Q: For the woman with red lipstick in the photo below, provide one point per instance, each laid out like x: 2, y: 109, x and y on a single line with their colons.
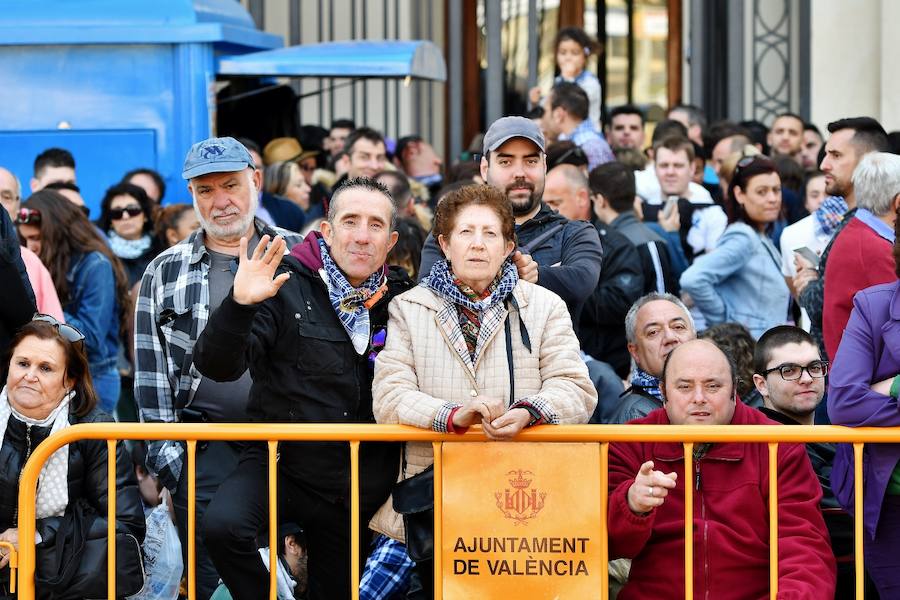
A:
x: 740, y: 280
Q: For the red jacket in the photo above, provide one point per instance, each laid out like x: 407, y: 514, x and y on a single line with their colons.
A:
x: 859, y: 258
x: 731, y: 523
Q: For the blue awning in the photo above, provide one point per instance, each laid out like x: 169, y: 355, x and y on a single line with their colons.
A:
x: 355, y: 59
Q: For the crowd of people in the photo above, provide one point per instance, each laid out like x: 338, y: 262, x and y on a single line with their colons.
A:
x: 581, y: 270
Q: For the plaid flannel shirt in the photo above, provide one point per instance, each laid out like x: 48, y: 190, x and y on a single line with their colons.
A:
x: 388, y: 571
x: 170, y: 313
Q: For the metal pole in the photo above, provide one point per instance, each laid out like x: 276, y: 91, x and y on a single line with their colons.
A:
x: 532, y: 46
x: 455, y: 78
x: 494, y: 84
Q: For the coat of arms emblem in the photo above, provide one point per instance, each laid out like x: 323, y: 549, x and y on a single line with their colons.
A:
x: 522, y: 502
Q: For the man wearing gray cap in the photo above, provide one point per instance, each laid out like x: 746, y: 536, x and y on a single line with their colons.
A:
x: 561, y: 255
x: 179, y: 290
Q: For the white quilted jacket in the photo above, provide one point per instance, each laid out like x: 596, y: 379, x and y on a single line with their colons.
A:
x: 419, y: 375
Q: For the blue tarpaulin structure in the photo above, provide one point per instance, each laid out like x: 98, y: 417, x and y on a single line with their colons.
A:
x: 127, y: 84
x: 356, y: 59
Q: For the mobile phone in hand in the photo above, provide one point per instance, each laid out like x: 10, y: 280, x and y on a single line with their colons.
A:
x: 809, y: 255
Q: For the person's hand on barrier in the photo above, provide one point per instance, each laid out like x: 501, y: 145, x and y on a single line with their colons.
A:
x: 254, y: 281
x: 507, y: 425
x: 528, y: 269
x: 649, y: 489
x: 11, y: 535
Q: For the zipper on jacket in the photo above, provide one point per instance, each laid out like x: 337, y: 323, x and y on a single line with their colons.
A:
x: 27, y: 456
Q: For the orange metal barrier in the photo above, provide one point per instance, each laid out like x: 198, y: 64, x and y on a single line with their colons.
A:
x: 354, y: 434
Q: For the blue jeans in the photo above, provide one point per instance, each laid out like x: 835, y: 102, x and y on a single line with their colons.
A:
x: 108, y: 385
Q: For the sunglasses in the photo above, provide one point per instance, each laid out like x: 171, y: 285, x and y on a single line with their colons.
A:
x: 67, y: 331
x: 28, y: 216
x: 126, y: 212
x: 749, y: 160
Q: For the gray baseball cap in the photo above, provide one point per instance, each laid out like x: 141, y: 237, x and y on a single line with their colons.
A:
x: 216, y: 155
x: 506, y: 128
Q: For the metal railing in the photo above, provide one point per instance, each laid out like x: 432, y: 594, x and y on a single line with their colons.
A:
x: 354, y: 434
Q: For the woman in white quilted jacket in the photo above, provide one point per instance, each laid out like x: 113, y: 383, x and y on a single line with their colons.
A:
x: 475, y: 345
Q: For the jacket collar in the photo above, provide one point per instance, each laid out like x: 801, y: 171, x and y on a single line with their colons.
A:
x: 425, y: 297
x: 544, y: 215
x: 672, y: 451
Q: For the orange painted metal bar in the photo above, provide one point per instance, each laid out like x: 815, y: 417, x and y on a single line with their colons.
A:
x: 773, y: 520
x: 858, y: 520
x: 13, y: 564
x: 438, y: 510
x: 274, y: 542
x: 688, y: 521
x: 192, y: 516
x: 604, y: 532
x: 354, y: 520
x: 111, y: 519
x: 384, y: 433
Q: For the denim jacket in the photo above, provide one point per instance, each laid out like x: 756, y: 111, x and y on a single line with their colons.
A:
x: 739, y: 281
x: 94, y: 309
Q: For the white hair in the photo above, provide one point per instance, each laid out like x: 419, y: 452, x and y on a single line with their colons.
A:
x: 876, y: 182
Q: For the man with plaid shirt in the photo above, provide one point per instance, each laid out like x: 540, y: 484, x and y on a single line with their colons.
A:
x: 178, y: 291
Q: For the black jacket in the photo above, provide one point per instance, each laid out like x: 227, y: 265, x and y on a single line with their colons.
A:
x: 305, y: 370
x: 87, y: 477
x: 285, y: 213
x: 601, y: 327
x: 568, y: 261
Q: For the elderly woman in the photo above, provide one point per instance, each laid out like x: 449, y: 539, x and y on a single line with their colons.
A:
x: 48, y: 389
x: 863, y: 391
x: 740, y: 280
x: 475, y: 345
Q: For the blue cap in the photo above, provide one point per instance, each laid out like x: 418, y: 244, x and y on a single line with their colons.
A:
x: 216, y: 155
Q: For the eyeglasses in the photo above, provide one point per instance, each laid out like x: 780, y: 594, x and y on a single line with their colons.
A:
x: 126, y: 212
x: 28, y: 216
x: 67, y: 331
x: 817, y: 369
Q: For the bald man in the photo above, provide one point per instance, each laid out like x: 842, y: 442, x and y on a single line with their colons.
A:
x: 730, y: 489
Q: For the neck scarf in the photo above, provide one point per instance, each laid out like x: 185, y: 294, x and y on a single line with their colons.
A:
x: 646, y: 382
x: 348, y: 302
x: 829, y: 215
x: 53, y: 482
x: 284, y: 579
x: 475, y: 312
x: 129, y: 248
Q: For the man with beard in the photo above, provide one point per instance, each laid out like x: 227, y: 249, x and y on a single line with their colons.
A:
x: 561, y: 255
x: 179, y: 290
x: 850, y: 140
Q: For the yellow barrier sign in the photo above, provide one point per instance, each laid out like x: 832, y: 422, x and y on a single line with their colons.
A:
x: 521, y: 521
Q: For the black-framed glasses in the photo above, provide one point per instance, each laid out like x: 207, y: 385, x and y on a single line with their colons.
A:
x: 28, y: 216
x: 69, y: 332
x: 817, y: 369
x: 132, y: 210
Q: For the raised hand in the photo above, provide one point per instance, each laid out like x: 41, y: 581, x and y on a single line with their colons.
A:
x: 254, y: 281
x: 649, y: 489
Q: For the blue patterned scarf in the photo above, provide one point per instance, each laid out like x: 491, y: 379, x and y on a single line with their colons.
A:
x: 829, y: 215
x: 647, y: 383
x: 475, y: 318
x: 349, y: 302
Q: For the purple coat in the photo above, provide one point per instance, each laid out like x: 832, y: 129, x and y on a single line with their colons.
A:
x: 869, y: 352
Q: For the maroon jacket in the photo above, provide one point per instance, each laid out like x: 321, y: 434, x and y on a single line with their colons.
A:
x: 859, y: 258
x: 731, y: 523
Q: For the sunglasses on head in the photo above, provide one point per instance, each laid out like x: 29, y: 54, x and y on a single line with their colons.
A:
x: 749, y: 160
x: 129, y: 211
x: 28, y: 216
x: 67, y: 331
